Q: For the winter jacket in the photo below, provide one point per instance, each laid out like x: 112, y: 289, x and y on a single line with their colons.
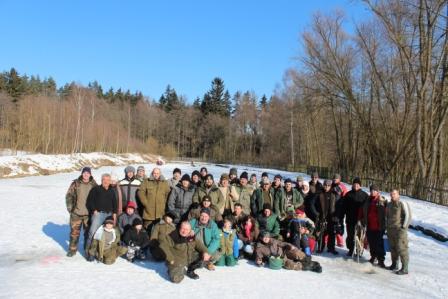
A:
x: 352, y: 202
x: 311, y: 206
x: 159, y: 231
x: 102, y: 200
x: 248, y: 234
x: 275, y: 248
x: 327, y: 206
x: 129, y: 188
x: 139, y: 238
x: 173, y: 183
x: 229, y: 243
x: 269, y: 224
x: 257, y: 201
x: 179, y: 201
x: 398, y: 215
x: 245, y: 194
x: 316, y: 188
x: 153, y: 195
x: 195, y: 212
x: 230, y: 197
x: 214, y: 193
x: 179, y: 250
x: 125, y: 221
x: 209, y: 234
x: 280, y: 201
x: 379, y: 217
x: 98, y: 245
x: 75, y: 204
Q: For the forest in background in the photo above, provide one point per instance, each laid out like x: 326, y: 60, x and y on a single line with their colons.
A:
x: 368, y: 99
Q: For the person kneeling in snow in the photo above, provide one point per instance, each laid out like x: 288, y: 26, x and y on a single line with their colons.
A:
x: 137, y: 240
x: 280, y: 254
x: 161, y: 229
x: 182, y: 252
x: 247, y: 236
x: 229, y: 245
x: 299, y: 232
x: 105, y: 246
x: 126, y: 219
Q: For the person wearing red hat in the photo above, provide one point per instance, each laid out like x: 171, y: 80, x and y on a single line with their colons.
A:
x: 126, y: 219
x: 299, y: 232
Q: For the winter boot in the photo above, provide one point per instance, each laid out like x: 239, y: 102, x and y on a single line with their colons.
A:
x: 333, y: 251
x: 71, y: 253
x: 381, y: 264
x: 316, y: 267
x: 372, y: 260
x: 393, y: 267
x: 403, y: 270
x: 191, y: 274
x: 350, y: 253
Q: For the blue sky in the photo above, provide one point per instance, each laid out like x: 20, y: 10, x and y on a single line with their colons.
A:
x: 145, y: 45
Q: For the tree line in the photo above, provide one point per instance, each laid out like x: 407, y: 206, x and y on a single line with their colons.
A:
x: 365, y: 99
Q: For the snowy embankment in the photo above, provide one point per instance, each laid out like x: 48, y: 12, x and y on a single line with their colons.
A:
x: 24, y: 164
x: 35, y: 233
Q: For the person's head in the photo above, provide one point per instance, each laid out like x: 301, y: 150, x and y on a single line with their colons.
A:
x: 300, y: 213
x: 327, y: 185
x: 356, y: 185
x: 336, y: 178
x: 113, y: 179
x: 206, y: 201
x: 227, y: 224
x: 253, y: 178
x: 141, y: 171
x: 109, y: 222
x: 267, y: 210
x: 265, y: 184
x: 185, y: 181
x: 305, y: 187
x: 395, y: 195
x: 195, y: 176
x: 129, y: 172
x: 374, y: 190
x: 137, y: 223
x: 156, y: 173
x: 288, y: 185
x: 130, y: 208
x: 203, y: 172
x: 169, y: 217
x: 105, y: 180
x: 314, y: 177
x: 277, y: 181
x: 244, y: 178
x: 299, y: 182
x: 185, y: 229
x: 237, y: 209
x: 264, y: 175
x: 209, y: 181
x: 224, y: 180
x: 204, y: 217
x: 265, y: 237
x: 177, y: 173
x: 86, y: 173
x: 233, y: 173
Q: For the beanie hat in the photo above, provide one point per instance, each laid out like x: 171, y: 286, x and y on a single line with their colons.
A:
x: 109, y: 219
x: 374, y: 187
x: 267, y: 206
x: 288, y: 180
x: 137, y: 221
x: 244, y: 175
x: 129, y: 169
x: 299, y: 179
x: 253, y: 175
x: 171, y: 215
x: 300, y: 212
x: 209, y: 176
x: 233, y: 171
x: 277, y: 176
x: 131, y: 204
x: 140, y: 168
x: 204, y: 168
x: 224, y: 176
x: 206, y: 211
x: 357, y: 180
x: 177, y: 170
x: 195, y: 172
x: 264, y: 233
x: 185, y: 177
x: 264, y: 174
x: 86, y: 169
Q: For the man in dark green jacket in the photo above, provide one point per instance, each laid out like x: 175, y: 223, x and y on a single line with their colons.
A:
x: 268, y: 221
x: 264, y: 194
x: 209, y: 188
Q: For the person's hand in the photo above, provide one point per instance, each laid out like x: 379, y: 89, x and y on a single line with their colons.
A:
x: 206, y: 257
x: 192, y: 233
x: 288, y: 235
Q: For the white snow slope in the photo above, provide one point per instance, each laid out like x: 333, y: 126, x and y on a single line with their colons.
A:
x: 34, y: 240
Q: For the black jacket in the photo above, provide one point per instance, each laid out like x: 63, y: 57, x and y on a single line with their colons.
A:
x: 138, y: 238
x: 352, y: 202
x: 102, y: 200
x: 311, y: 206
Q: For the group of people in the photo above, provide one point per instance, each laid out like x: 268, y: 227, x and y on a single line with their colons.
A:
x: 191, y: 222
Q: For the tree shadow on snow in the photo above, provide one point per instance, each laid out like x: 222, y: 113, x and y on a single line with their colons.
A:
x: 58, y: 232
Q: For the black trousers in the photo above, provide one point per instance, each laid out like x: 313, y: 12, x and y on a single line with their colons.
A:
x: 350, y: 240
x: 376, y: 244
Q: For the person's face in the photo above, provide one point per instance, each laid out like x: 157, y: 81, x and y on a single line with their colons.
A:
x: 253, y: 179
x: 238, y: 210
x: 129, y: 211
x: 314, y: 178
x: 232, y: 176
x: 327, y: 187
x: 277, y: 182
x: 203, y: 172
x: 374, y: 193
x: 266, y: 239
x: 156, y: 173
x: 109, y: 226
x: 139, y: 227
x: 302, y: 230
x: 225, y: 183
x: 185, y: 230
x: 130, y: 174
x: 176, y: 176
x: 185, y: 184
x: 299, y: 184
x: 206, y: 203
x: 195, y: 178
x: 86, y: 176
x: 141, y: 173
x: 356, y: 187
x: 204, y: 218
x: 394, y: 195
x: 105, y: 181
x: 168, y: 220
x: 227, y: 225
x: 267, y: 212
x: 243, y: 182
x: 336, y: 181
x: 306, y: 188
x: 209, y: 182
x: 288, y: 186
x: 265, y: 187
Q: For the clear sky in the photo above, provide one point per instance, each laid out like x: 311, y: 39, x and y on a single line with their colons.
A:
x: 145, y: 45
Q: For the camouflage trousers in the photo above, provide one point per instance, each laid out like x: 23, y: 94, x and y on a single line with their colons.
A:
x: 76, y: 224
x: 398, y: 243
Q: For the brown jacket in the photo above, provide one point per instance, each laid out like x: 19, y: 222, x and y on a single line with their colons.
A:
x: 153, y: 195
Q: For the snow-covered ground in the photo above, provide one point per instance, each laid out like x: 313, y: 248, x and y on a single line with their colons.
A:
x: 34, y: 240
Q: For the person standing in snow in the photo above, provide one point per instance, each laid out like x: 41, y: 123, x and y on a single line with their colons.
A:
x: 153, y: 194
x: 310, y: 202
x: 233, y: 177
x: 196, y: 179
x: 351, y: 203
x: 328, y: 214
x: 181, y: 198
x: 398, y: 217
x: 315, y: 185
x: 129, y: 186
x: 101, y: 203
x: 253, y: 181
x: 115, y: 186
x: 299, y: 184
x: 141, y: 173
x: 76, y: 199
x: 229, y: 194
x: 373, y: 218
x: 209, y: 188
x: 244, y: 193
x: 260, y: 197
x: 175, y: 179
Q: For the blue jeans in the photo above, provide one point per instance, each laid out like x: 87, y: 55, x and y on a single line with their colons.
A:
x: 95, y: 222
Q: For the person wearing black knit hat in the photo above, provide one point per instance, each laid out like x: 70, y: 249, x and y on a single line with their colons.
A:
x: 196, y: 178
x: 160, y: 231
x: 181, y: 198
x: 137, y: 241
x: 268, y: 221
x: 176, y: 178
